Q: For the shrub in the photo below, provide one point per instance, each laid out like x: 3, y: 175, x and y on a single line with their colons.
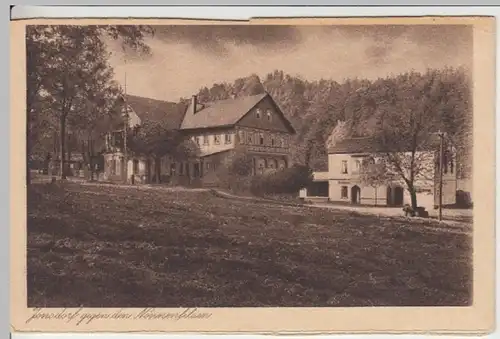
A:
x: 240, y: 165
x: 287, y: 181
x: 235, y: 175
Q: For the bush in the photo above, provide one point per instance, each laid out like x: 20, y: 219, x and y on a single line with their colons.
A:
x: 241, y: 165
x: 287, y: 181
x: 235, y: 175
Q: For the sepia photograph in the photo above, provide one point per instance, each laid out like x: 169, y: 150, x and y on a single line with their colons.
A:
x: 206, y: 166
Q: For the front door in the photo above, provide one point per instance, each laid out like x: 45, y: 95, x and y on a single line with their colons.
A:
x: 389, y: 196
x: 398, y: 196
x: 355, y: 194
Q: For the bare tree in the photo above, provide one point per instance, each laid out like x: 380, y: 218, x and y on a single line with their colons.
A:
x: 405, y: 130
x: 374, y: 173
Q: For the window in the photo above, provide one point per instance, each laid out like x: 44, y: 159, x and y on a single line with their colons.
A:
x: 343, y: 192
x: 197, y: 139
x: 181, y: 168
x: 269, y: 115
x: 261, y: 138
x: 273, y: 142
x: 172, y: 169
x: 217, y: 139
x: 241, y: 135
x: 261, y: 168
x: 227, y: 138
x: 207, y: 165
x: 344, y: 167
x: 257, y: 113
x: 136, y: 166
x: 250, y: 138
x: 113, y: 167
x: 205, y: 140
x: 117, y: 164
x: 358, y: 165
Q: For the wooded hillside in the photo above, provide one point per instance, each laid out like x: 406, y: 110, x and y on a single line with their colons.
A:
x: 315, y: 107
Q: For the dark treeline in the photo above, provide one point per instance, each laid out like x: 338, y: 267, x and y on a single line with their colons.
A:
x: 315, y: 107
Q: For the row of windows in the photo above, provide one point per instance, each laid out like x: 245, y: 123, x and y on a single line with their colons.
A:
x: 357, y: 167
x: 115, y: 166
x: 268, y: 115
x: 184, y: 169
x: 245, y: 137
x: 181, y: 168
x: 216, y: 139
x: 448, y: 166
x: 263, y: 139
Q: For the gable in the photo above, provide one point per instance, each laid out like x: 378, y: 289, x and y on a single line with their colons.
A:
x: 219, y: 113
x: 133, y: 118
x: 141, y: 109
x: 266, y: 115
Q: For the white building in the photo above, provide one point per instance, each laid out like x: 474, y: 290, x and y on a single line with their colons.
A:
x: 345, y: 183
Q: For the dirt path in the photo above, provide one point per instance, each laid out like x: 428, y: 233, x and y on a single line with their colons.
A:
x: 450, y: 216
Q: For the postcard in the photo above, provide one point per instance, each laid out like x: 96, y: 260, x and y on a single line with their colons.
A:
x: 282, y: 175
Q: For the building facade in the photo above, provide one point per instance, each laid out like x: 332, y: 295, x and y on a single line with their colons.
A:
x: 254, y: 125
x: 345, y: 183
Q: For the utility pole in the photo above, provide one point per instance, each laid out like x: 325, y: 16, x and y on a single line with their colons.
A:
x: 125, y: 134
x: 441, y: 164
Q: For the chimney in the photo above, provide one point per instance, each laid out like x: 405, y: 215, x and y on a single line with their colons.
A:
x: 194, y: 103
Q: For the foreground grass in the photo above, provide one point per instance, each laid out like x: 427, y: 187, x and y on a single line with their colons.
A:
x: 96, y: 246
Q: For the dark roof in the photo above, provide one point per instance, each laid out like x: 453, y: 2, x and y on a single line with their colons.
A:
x: 355, y: 145
x: 372, y: 145
x: 216, y: 114
x: 157, y: 110
x: 220, y: 113
x: 225, y: 112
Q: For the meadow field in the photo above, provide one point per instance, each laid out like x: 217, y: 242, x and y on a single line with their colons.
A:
x: 113, y: 246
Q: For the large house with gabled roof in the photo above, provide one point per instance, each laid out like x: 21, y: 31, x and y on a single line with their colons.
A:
x: 252, y: 124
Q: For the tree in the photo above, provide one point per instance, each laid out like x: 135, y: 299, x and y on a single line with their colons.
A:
x: 99, y: 109
x: 37, y: 106
x: 63, y: 64
x: 78, y: 70
x: 156, y: 139
x: 374, y: 173
x: 406, y: 129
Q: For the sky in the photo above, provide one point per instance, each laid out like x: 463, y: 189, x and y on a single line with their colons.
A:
x: 185, y: 58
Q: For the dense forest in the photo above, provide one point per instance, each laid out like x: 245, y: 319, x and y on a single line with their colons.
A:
x: 315, y: 107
